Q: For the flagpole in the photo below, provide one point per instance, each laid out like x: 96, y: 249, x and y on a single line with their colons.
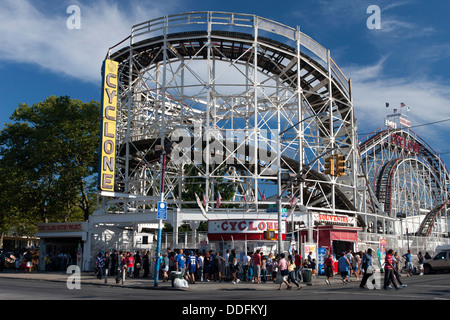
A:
x: 279, y: 205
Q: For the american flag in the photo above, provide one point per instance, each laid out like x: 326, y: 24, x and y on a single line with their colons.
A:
x: 199, y: 203
x: 219, y: 200
x: 293, y: 201
x: 204, y: 199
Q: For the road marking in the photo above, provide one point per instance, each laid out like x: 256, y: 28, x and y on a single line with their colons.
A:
x: 381, y: 294
x: 430, y: 285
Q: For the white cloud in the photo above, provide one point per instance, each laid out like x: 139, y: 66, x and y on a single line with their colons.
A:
x: 429, y: 101
x: 33, y: 34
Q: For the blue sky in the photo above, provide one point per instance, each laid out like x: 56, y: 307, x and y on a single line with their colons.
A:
x: 406, y: 60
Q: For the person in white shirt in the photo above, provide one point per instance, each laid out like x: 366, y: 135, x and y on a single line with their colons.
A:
x: 245, y: 265
x: 227, y: 264
x: 349, y: 256
x: 200, y: 267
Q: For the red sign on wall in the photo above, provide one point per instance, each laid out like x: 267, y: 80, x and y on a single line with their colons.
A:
x: 60, y: 227
x: 405, y: 143
x: 239, y: 229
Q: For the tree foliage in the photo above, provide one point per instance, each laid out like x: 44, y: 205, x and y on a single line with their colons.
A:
x: 194, y: 183
x: 48, y: 162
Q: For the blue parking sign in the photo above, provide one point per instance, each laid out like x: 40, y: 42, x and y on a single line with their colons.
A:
x: 162, y: 210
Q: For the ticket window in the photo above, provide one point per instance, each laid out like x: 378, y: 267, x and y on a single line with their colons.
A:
x: 341, y: 246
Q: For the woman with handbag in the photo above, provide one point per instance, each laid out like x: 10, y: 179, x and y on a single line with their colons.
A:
x: 291, y: 269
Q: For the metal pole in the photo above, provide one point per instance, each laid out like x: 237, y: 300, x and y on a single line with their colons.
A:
x: 279, y: 191
x: 158, y: 245
x: 407, y: 236
x: 163, y: 154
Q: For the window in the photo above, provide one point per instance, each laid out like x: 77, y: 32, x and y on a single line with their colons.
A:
x: 440, y: 256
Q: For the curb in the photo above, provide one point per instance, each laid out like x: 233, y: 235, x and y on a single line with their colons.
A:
x: 148, y: 284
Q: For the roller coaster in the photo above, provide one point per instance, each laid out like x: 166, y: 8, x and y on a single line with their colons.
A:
x: 237, y: 99
x: 407, y: 178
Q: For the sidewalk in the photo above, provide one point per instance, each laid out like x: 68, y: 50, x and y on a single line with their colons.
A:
x: 148, y: 283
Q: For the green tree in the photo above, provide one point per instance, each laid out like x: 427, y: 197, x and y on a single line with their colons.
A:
x: 195, y: 184
x: 48, y: 160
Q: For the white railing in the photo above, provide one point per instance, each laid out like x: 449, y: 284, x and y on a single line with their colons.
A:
x: 189, y: 20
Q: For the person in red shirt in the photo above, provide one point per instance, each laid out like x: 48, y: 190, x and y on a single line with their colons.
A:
x: 329, y: 268
x: 257, y: 267
x: 389, y: 272
x: 298, y: 265
x: 130, y: 265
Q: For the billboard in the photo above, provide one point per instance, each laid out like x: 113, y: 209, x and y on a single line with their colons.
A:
x: 239, y: 229
x: 108, y: 126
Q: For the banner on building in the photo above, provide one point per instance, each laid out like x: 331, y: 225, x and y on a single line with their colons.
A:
x: 108, y: 126
x: 238, y: 229
x: 333, y: 219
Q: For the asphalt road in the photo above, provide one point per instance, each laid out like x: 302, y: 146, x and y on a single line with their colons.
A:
x: 428, y: 287
x: 225, y: 301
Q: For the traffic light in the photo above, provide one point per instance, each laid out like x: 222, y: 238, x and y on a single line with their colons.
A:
x: 329, y: 165
x: 269, y: 234
x: 340, y: 165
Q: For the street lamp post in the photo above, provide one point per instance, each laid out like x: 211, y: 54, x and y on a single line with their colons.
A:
x: 158, y: 246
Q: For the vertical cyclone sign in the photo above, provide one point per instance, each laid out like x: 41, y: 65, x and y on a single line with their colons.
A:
x: 108, y: 123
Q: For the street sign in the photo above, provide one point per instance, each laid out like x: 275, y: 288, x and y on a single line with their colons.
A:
x: 274, y: 208
x: 162, y: 210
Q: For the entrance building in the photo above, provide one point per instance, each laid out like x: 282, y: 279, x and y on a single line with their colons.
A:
x: 335, y: 239
x: 61, y: 245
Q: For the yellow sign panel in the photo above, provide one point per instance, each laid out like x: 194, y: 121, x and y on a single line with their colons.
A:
x: 108, y: 130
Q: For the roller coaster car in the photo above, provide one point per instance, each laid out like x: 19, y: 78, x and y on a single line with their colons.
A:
x: 440, y: 261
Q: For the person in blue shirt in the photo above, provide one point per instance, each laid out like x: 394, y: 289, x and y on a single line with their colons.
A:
x: 100, y: 265
x: 409, y: 265
x: 345, y: 267
x: 368, y: 268
x: 180, y: 263
x: 192, y: 266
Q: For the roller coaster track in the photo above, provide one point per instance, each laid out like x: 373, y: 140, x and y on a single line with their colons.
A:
x: 427, y: 153
x: 319, y: 198
x: 236, y: 46
x: 427, y: 160
x: 427, y: 224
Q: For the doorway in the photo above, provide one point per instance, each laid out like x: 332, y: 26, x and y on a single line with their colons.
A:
x: 341, y: 246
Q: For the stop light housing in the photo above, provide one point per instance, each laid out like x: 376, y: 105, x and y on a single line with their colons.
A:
x: 269, y: 234
x: 340, y: 165
x: 329, y: 165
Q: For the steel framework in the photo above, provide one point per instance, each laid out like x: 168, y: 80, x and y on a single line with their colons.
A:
x: 250, y: 103
x: 408, y: 181
x: 241, y: 101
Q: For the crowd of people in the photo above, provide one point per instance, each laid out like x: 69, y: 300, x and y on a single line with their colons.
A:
x: 26, y: 260
x: 255, y: 267
x: 122, y: 265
